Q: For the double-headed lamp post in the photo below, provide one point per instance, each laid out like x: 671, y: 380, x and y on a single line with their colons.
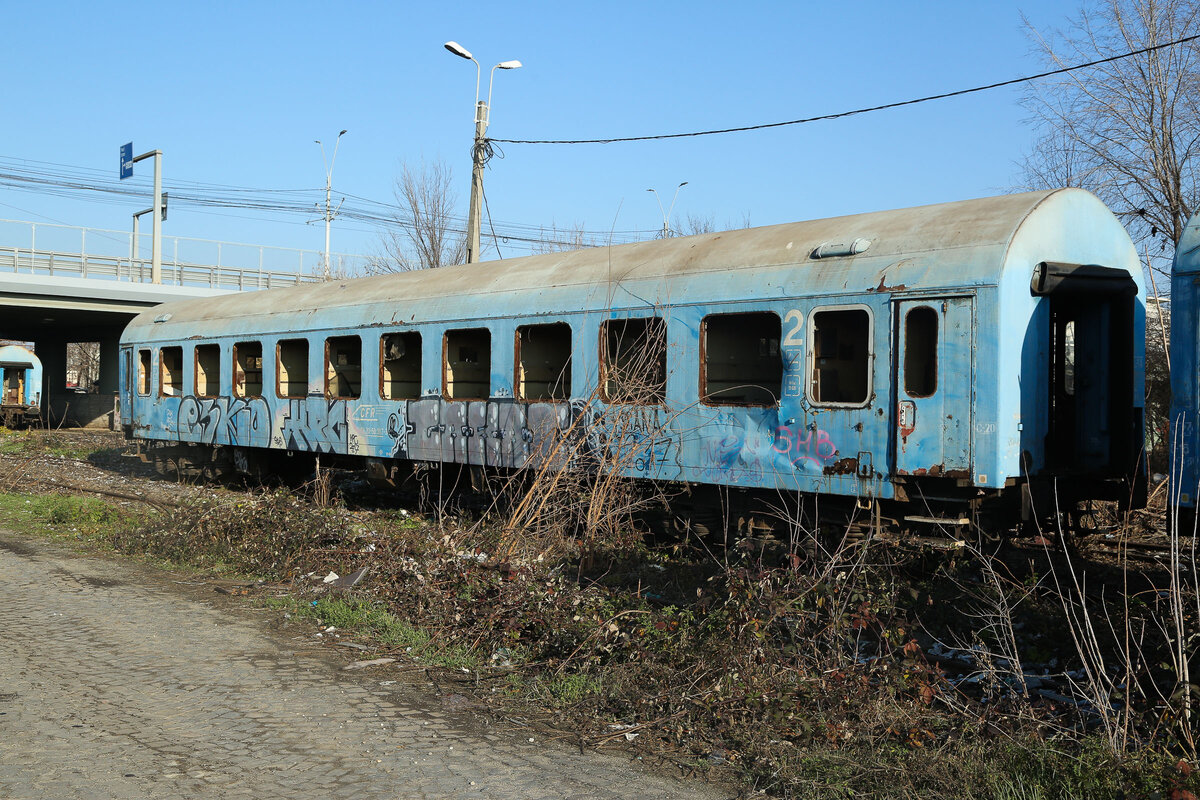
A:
x: 478, y: 151
x: 666, y: 228
x: 329, y: 212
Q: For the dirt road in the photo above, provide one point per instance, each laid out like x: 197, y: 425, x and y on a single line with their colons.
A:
x: 118, y: 681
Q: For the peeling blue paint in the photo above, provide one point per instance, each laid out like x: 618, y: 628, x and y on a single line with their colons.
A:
x: 970, y: 263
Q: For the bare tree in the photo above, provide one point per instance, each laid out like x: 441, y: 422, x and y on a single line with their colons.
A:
x: 555, y: 239
x: 430, y: 235
x: 1127, y: 130
x: 695, y: 224
x: 83, y: 364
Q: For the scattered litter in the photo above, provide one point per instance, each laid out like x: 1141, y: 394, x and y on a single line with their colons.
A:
x: 347, y: 582
x: 616, y: 726
x: 374, y: 662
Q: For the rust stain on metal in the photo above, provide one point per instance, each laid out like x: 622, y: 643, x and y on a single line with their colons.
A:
x: 883, y: 287
x: 843, y: 466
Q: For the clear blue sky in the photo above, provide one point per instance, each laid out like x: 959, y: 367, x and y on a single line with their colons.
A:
x: 235, y: 94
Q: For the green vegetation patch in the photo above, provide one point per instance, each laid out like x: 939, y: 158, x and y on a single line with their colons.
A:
x: 82, y: 517
x: 30, y: 443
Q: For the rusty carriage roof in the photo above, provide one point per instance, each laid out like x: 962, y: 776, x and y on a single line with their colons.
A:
x: 960, y: 244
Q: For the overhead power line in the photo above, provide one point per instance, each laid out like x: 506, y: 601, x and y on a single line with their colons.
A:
x: 840, y: 114
x: 60, y: 180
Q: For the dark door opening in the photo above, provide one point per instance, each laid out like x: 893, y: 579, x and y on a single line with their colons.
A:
x: 1092, y: 428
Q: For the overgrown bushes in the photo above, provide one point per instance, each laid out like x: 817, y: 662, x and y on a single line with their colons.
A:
x: 806, y: 676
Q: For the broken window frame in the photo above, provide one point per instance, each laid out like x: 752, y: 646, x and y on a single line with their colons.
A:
x: 279, y: 367
x: 650, y: 395
x: 239, y: 380
x: 869, y: 356
x: 447, y: 384
x: 145, y: 362
x: 387, y: 380
x: 928, y: 381
x: 331, y: 369
x: 559, y: 389
x: 212, y: 377
x: 177, y: 385
x: 714, y: 398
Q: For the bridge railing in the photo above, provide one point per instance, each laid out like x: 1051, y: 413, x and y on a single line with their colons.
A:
x: 70, y: 251
x: 80, y: 265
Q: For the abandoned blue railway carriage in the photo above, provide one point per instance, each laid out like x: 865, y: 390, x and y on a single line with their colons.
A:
x: 20, y: 387
x: 946, y: 356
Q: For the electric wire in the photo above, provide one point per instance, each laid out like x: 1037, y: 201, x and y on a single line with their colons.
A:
x: 841, y: 114
x: 72, y: 182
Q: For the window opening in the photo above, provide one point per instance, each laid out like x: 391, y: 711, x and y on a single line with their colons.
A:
x: 544, y: 362
x: 741, y: 363
x: 343, y: 367
x: 208, y: 370
x: 920, y: 351
x: 840, y: 356
x: 291, y: 370
x: 170, y: 361
x: 467, y: 368
x: 1069, y: 358
x: 248, y: 369
x: 634, y: 364
x: 143, y: 377
x: 83, y: 366
x: 400, y: 366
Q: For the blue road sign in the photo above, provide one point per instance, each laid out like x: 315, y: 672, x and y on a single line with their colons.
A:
x: 127, y: 160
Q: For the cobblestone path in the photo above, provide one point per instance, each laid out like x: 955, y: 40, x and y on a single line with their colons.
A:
x: 114, y: 684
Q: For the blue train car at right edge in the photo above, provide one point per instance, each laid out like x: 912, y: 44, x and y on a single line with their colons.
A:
x: 1185, y: 378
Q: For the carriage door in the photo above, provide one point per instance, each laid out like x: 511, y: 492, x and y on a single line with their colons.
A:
x: 14, y: 385
x: 126, y: 379
x: 1091, y: 365
x: 934, y: 377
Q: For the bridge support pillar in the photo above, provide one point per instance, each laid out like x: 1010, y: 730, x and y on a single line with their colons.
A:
x: 53, y: 355
x: 109, y: 353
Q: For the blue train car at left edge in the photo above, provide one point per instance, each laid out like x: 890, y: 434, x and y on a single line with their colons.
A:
x: 20, y: 387
x: 942, y: 362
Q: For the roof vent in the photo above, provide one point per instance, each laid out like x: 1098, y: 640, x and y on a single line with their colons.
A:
x: 163, y: 317
x: 832, y: 249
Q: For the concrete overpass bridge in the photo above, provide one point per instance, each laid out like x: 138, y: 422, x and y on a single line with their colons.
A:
x: 53, y: 295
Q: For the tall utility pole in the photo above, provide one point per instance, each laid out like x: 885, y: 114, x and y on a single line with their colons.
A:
x: 666, y: 228
x: 479, y: 150
x: 330, y: 212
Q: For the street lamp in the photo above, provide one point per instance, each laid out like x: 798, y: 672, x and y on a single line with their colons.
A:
x: 666, y: 228
x: 329, y: 212
x: 479, y: 151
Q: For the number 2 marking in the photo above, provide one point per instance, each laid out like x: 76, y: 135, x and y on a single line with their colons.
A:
x: 793, y: 338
